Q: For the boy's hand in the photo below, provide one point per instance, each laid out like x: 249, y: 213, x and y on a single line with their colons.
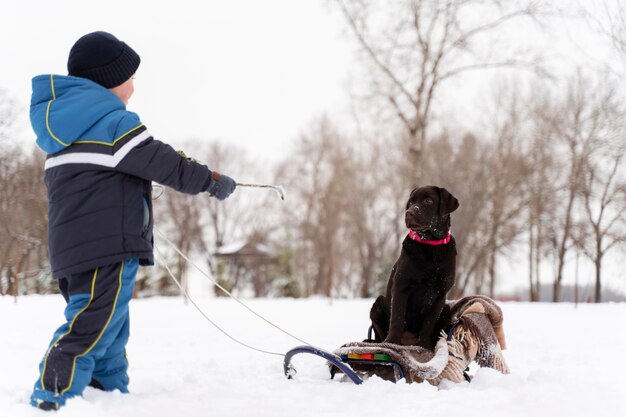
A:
x: 221, y: 186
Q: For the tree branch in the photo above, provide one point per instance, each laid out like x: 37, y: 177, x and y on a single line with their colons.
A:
x: 370, y: 51
x: 485, y: 65
x: 466, y: 36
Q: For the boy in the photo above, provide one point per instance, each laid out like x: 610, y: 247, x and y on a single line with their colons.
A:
x: 98, y: 172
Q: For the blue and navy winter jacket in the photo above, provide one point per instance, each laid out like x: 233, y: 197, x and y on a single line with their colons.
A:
x: 101, y: 161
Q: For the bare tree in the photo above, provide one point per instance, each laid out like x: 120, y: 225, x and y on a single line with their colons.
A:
x: 609, y: 20
x: 412, y: 47
x: 201, y: 224
x: 181, y: 213
x: 605, y: 206
x: 23, y: 211
x: 372, y: 189
x: 506, y: 199
x: 577, y: 124
x: 8, y: 117
x: 23, y: 233
x: 316, y: 176
x: 488, y: 178
x: 251, y: 215
x: 540, y: 189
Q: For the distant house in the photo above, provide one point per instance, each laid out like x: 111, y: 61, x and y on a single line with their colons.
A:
x: 246, y: 265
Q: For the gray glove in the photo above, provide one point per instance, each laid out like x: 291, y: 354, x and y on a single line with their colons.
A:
x: 221, y: 186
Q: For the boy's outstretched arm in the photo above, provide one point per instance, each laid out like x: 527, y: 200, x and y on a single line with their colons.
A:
x: 156, y: 161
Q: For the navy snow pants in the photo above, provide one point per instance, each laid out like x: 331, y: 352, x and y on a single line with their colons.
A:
x: 89, y: 348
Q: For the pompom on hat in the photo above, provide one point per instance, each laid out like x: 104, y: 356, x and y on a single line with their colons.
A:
x: 102, y: 58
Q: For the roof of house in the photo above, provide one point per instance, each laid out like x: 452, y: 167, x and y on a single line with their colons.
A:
x: 243, y: 248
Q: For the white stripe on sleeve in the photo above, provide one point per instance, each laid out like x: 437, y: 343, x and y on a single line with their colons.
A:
x: 110, y: 161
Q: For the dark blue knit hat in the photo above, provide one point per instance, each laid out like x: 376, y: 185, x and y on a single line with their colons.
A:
x: 101, y: 57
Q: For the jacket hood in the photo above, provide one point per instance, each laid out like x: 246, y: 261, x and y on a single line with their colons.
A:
x: 65, y: 109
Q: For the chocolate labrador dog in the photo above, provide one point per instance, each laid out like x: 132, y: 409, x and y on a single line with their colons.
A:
x: 411, y: 311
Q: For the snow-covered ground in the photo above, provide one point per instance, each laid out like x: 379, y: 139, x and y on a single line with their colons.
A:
x: 565, y: 361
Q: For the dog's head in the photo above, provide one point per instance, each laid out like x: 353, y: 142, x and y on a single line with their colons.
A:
x: 428, y: 210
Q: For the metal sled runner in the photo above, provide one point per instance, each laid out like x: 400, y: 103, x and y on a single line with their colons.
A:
x: 349, y: 364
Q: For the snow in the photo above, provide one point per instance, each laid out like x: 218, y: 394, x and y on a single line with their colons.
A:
x: 564, y: 360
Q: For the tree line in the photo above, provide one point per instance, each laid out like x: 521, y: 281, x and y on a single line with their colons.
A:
x: 538, y: 170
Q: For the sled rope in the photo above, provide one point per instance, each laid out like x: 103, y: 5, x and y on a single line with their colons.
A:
x: 223, y: 289
x: 166, y: 266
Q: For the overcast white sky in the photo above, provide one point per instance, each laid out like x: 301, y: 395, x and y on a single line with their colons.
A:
x: 248, y: 72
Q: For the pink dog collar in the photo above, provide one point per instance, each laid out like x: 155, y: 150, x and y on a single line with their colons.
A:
x: 413, y: 235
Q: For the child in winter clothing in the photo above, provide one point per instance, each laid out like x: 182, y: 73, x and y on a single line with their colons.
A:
x: 98, y: 172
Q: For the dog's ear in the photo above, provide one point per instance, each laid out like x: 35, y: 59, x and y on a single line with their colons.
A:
x: 447, y: 202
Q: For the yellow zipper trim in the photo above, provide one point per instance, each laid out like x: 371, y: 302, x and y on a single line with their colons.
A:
x: 119, y: 288
x: 114, y: 142
x: 146, y: 214
x: 45, y: 362
x: 54, y: 97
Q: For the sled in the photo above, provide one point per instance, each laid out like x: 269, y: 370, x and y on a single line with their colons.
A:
x: 361, y: 360
x: 475, y: 335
